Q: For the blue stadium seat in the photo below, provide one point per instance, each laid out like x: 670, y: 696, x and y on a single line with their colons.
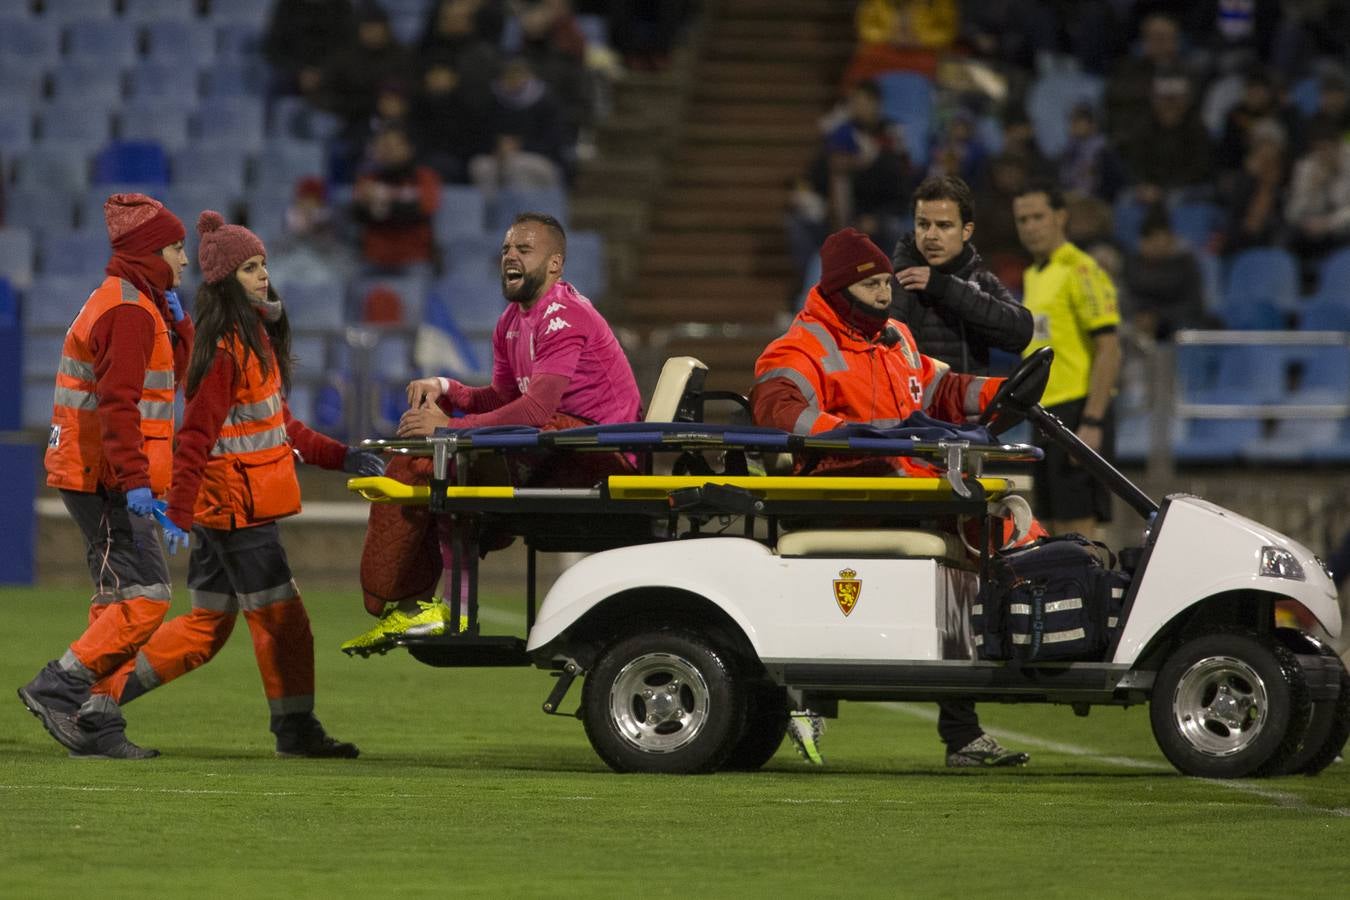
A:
x: 301, y: 399
x: 1333, y: 275
x: 266, y: 212
x: 310, y: 352
x: 110, y: 42
x: 463, y: 212
x: 37, y: 401
x: 33, y: 40
x: 185, y: 43
x: 1050, y: 99
x: 1306, y: 94
x: 223, y: 163
x: 167, y: 84
x: 1337, y: 450
x: 1252, y: 314
x: 239, y: 41
x: 475, y: 255
x: 282, y: 162
x: 1211, y: 276
x: 39, y: 209
x: 1196, y: 222
x: 1215, y: 440
x: 313, y: 305
x: 251, y: 12
x: 189, y: 195
x: 234, y: 120
x: 123, y: 161
x: 234, y: 79
x: 53, y: 300
x: 42, y: 354
x: 86, y: 81
x: 298, y: 119
x: 24, y: 84
x: 1325, y: 314
x: 1128, y: 216
x: 150, y: 121
x: 585, y: 267
x: 1265, y: 273
x: 1313, y: 374
x: 510, y: 201
x: 76, y: 124
x: 79, y: 254
x: 1298, y: 440
x: 1210, y: 373
x: 65, y: 11
x: 907, y: 99
x: 393, y: 360
x: 62, y: 167
x: 16, y: 257
x: 473, y: 301
x: 150, y: 12
x: 16, y: 127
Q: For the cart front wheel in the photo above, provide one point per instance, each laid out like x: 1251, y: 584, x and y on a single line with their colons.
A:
x: 1229, y: 705
x: 664, y: 701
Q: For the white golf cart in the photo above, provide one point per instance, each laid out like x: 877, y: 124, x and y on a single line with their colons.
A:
x: 694, y: 639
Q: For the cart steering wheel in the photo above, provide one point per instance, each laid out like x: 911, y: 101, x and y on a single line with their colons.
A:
x: 1019, y: 393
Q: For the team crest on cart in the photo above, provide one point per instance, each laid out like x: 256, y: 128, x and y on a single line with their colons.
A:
x: 847, y: 590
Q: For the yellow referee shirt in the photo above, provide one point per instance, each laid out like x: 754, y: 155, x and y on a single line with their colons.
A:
x: 1070, y: 297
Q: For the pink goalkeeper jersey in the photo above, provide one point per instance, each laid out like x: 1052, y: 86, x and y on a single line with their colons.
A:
x: 563, y: 334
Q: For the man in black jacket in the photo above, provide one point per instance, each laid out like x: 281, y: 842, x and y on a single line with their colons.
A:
x: 955, y: 308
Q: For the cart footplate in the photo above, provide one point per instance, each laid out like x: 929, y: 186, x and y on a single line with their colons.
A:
x: 467, y: 650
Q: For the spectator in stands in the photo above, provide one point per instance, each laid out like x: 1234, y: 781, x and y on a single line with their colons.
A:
x: 1333, y: 106
x: 1074, y: 306
x: 1089, y: 165
x: 394, y: 202
x: 556, y: 365
x: 1318, y: 208
x: 455, y: 38
x: 555, y: 49
x: 957, y: 149
x: 843, y: 360
x: 529, y: 145
x: 109, y: 455
x: 314, y: 247
x: 1170, y: 152
x: 1260, y: 100
x: 1019, y: 140
x: 233, y: 478
x: 1006, y: 177
x: 956, y: 309
x: 301, y: 36
x: 448, y: 123
x: 1131, y: 86
x: 1252, y: 197
x: 352, y: 76
x: 1163, y: 288
x: 900, y: 34
x: 644, y: 32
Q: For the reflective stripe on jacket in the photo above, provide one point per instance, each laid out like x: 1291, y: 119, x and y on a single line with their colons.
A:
x: 844, y: 377
x: 250, y: 475
x: 75, y: 457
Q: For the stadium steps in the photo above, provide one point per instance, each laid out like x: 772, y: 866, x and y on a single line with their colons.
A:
x: 715, y: 252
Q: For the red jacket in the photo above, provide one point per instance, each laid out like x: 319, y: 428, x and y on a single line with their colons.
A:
x: 823, y: 374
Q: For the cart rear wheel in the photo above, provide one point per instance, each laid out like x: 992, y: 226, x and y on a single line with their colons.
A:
x: 1228, y: 705
x: 663, y: 701
x: 766, y: 721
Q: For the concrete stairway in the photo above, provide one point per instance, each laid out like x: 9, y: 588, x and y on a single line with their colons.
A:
x: 715, y: 251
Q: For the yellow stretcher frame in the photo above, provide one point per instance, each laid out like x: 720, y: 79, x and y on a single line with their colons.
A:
x: 381, y: 489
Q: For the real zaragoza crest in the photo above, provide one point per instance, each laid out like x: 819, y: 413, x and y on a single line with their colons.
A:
x: 847, y: 589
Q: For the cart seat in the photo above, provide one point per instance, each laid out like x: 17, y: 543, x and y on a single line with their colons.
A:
x: 678, y: 391
x: 887, y: 542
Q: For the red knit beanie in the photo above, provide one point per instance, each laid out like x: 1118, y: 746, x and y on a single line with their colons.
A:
x: 847, y: 257
x: 139, y: 225
x: 224, y: 247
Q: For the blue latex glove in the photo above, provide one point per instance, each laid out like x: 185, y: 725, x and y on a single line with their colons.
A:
x: 175, y: 305
x: 362, y: 462
x: 141, y: 502
x: 174, y: 537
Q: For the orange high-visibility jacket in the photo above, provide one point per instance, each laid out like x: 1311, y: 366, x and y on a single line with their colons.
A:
x: 75, y: 457
x: 840, y: 377
x: 250, y: 475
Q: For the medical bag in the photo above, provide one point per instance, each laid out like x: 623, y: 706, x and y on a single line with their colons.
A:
x: 1059, y: 598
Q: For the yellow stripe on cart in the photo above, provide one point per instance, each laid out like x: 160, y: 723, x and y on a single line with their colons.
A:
x: 800, y: 487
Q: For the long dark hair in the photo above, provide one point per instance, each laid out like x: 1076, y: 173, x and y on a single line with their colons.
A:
x: 223, y: 309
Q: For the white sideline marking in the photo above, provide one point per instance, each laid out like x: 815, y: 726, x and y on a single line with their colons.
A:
x: 110, y: 789
x: 1280, y: 798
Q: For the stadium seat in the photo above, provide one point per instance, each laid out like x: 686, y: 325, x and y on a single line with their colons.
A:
x: 265, y: 211
x: 37, y: 401
x: 1312, y: 373
x: 150, y: 12
x: 1215, y: 440
x: 62, y: 167
x: 1337, y: 450
x: 236, y: 121
x: 314, y: 305
x: 282, y: 162
x: 42, y: 354
x: 475, y: 255
x: 1211, y: 277
x: 1196, y: 221
x: 234, y: 79
x: 1298, y: 440
x: 239, y: 41
x: 311, y: 354
x: 79, y: 254
x: 86, y: 81
x: 1225, y: 373
x: 297, y: 119
x: 1261, y: 286
x: 585, y: 267
x: 123, y: 161
x: 167, y: 84
x: 149, y: 121
x: 1333, y: 276
x: 16, y: 128
x: 463, y: 211
x: 1325, y: 314
x: 53, y: 300
x: 185, y: 43
x: 24, y: 83
x: 16, y: 257
x: 1128, y: 216
x: 473, y: 301
x: 110, y: 42
x: 1050, y: 99
x: 75, y: 123
x: 393, y: 361
x: 66, y: 11
x: 907, y: 99
x: 33, y: 40
x: 1306, y: 94
x: 251, y: 12
x: 510, y: 201
x: 224, y: 164
x: 39, y: 209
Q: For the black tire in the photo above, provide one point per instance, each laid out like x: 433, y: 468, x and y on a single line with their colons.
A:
x: 664, y: 701
x: 1327, y: 732
x: 1229, y: 705
x: 766, y: 721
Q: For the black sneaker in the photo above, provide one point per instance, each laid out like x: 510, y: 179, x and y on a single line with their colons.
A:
x: 104, y: 731
x: 60, y: 725
x: 114, y: 749
x: 322, y: 747
x: 985, y: 752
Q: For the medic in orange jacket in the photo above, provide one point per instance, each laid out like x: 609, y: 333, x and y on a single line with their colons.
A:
x: 843, y: 361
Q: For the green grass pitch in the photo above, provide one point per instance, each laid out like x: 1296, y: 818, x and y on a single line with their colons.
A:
x: 465, y: 788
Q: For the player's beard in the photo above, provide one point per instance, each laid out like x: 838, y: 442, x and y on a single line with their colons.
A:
x: 528, y: 289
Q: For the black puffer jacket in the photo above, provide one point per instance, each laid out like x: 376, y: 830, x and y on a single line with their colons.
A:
x: 964, y: 312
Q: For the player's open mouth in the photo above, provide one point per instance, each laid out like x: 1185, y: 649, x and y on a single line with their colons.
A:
x: 512, y: 275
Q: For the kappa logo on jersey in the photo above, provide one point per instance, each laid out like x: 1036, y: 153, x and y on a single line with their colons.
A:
x: 553, y: 307
x: 916, y: 390
x: 512, y: 334
x: 847, y: 590
x: 557, y: 324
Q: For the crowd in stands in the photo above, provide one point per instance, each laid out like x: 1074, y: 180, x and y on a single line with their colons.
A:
x: 1184, y: 132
